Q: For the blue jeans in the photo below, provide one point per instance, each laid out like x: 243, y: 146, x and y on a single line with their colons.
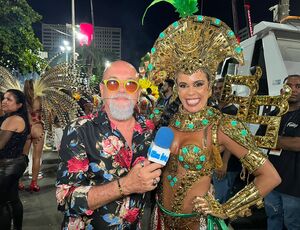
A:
x: 282, y: 210
x: 223, y: 187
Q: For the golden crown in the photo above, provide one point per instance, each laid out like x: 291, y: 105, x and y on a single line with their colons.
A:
x: 191, y: 43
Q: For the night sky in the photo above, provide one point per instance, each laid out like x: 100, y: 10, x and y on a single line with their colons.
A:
x: 127, y: 14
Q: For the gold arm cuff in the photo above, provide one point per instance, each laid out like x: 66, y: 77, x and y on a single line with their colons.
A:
x: 253, y: 160
x: 240, y: 204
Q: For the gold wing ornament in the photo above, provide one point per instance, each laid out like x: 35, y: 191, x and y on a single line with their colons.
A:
x: 8, y: 81
x: 249, y: 106
x: 54, y: 87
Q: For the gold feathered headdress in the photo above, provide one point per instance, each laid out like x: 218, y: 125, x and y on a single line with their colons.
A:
x: 8, y: 81
x: 192, y: 43
x: 54, y: 87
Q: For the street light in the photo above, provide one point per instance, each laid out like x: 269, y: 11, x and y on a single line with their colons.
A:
x: 66, y: 48
x: 107, y: 64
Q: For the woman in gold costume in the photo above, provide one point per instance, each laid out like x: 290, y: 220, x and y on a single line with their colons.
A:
x: 189, y: 52
x: 36, y: 137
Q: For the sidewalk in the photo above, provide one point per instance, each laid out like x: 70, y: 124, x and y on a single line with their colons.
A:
x: 40, y: 209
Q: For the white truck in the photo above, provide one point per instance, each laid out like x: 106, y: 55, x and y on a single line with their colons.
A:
x: 275, y: 47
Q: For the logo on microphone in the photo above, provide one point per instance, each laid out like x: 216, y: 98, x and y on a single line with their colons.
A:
x: 158, y: 155
x: 159, y: 150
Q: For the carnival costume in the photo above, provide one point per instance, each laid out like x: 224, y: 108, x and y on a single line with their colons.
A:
x: 187, y: 45
x: 52, y: 88
x: 48, y: 100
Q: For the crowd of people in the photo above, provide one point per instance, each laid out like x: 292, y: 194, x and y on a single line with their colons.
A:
x: 104, y: 178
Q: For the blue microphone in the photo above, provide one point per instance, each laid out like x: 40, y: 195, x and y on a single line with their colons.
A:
x: 159, y: 150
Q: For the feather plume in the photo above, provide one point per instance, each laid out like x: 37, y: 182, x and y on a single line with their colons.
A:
x: 8, y: 81
x: 183, y: 7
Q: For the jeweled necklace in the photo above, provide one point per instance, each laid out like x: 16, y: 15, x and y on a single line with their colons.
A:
x: 189, y: 122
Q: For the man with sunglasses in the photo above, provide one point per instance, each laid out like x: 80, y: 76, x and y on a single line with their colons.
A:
x: 104, y: 174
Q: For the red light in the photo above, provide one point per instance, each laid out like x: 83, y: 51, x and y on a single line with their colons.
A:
x: 87, y: 30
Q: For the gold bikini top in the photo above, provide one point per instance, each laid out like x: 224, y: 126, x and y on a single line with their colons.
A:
x: 192, y: 157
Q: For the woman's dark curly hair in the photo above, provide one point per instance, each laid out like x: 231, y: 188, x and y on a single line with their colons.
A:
x: 22, y: 111
x: 1, y: 96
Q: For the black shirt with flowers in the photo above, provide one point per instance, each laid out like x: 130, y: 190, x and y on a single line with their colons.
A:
x: 94, y: 152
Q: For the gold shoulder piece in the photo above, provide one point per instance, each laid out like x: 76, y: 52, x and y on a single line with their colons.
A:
x: 237, y: 131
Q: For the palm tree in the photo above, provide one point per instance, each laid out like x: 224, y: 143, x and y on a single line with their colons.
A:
x: 93, y: 60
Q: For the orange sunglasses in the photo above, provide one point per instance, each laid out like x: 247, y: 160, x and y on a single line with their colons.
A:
x: 131, y: 86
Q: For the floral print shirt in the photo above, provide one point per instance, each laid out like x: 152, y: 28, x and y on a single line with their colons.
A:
x: 94, y: 152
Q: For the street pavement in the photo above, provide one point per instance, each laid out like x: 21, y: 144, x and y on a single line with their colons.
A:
x: 40, y: 209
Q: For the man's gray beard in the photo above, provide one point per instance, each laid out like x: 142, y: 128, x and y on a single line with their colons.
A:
x: 121, y: 113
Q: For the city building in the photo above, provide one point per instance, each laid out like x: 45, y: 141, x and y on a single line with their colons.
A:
x: 107, y: 39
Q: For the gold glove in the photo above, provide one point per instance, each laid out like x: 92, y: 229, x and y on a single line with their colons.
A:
x: 239, y: 205
x: 208, y: 205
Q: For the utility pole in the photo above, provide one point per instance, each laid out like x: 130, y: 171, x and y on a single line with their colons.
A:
x: 284, y: 9
x: 93, y: 22
x: 201, y: 9
x: 281, y: 10
x: 73, y: 35
x: 235, y: 17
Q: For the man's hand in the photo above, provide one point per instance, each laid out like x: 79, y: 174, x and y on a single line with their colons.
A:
x: 143, y: 177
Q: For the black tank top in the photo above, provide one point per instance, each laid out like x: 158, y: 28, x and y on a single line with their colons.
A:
x: 14, y: 147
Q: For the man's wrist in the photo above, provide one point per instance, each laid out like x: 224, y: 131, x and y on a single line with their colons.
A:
x: 120, y: 188
x: 124, y: 187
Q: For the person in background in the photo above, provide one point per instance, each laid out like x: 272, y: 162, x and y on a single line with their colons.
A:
x: 104, y: 175
x: 282, y: 205
x: 146, y: 102
x: 88, y: 108
x: 166, y: 92
x: 13, y: 134
x: 37, y: 134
